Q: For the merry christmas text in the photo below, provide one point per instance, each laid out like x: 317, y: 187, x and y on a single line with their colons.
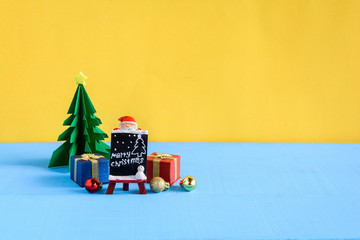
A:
x: 121, y: 155
x: 124, y: 159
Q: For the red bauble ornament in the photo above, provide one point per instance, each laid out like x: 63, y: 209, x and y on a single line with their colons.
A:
x: 92, y: 185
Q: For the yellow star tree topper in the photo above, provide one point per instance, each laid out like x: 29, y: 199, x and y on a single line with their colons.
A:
x: 80, y: 78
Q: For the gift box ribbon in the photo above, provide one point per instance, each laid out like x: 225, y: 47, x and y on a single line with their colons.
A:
x: 94, y: 164
x: 156, y: 162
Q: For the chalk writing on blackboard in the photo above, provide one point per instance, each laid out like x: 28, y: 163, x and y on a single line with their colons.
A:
x: 128, y: 151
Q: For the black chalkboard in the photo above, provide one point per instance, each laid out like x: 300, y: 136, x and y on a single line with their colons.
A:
x: 128, y: 151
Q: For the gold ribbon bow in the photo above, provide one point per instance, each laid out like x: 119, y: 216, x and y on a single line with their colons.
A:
x: 156, y: 163
x: 94, y: 164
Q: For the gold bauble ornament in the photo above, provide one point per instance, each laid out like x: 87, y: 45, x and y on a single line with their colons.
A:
x: 157, y: 184
x: 188, y: 183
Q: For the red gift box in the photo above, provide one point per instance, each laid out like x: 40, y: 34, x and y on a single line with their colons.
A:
x: 166, y: 166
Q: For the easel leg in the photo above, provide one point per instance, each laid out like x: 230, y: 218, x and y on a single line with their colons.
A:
x: 142, y: 188
x: 125, y: 186
x: 111, y: 187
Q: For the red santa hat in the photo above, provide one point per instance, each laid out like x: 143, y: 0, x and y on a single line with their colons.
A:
x: 127, y: 119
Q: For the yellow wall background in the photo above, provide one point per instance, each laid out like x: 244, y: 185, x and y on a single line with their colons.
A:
x: 189, y: 70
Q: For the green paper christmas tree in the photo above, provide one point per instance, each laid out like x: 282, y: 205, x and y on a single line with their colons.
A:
x: 83, y: 135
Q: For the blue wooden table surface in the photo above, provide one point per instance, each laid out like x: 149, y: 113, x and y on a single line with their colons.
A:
x: 245, y: 191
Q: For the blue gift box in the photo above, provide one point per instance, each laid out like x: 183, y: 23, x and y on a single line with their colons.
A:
x: 88, y: 166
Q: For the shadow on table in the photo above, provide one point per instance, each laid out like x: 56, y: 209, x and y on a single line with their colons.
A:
x: 62, y: 169
x: 117, y: 192
x: 41, y: 163
x: 56, y: 181
x: 175, y: 188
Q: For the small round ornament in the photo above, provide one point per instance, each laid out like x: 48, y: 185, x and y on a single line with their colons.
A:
x: 157, y: 184
x: 92, y: 185
x: 188, y: 183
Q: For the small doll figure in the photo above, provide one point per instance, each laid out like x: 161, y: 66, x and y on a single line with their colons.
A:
x: 127, y: 123
x: 140, y: 174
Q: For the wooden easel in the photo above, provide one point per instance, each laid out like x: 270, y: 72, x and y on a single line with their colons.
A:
x: 112, y: 183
